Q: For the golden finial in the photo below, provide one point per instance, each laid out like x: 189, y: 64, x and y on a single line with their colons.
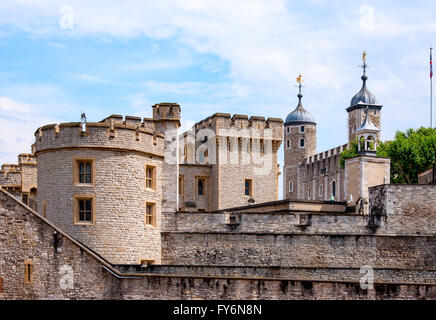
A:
x: 299, y: 80
x: 364, y: 56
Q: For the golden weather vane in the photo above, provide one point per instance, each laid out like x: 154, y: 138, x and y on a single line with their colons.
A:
x: 300, y: 81
x: 364, y: 65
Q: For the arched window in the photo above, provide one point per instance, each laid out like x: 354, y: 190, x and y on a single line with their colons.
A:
x: 302, y: 143
x: 302, y: 129
x: 334, y: 188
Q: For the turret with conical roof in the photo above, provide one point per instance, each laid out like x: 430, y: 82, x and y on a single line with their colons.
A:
x: 362, y: 101
x: 300, y: 143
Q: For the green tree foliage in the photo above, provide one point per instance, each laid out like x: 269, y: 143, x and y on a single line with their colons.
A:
x: 411, y: 152
x: 348, y: 153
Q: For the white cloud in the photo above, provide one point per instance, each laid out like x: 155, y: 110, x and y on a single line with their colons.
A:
x: 264, y: 44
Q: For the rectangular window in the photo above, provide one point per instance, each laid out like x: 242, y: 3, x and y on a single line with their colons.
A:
x: 28, y: 272
x: 150, y: 214
x: 181, y: 185
x: 302, y: 128
x: 83, y: 172
x: 84, y: 209
x: 291, y: 186
x: 262, y: 146
x: 150, y: 177
x: 248, y: 187
x: 201, y: 187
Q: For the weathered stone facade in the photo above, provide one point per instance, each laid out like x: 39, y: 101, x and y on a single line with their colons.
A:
x: 119, y: 152
x: 226, y: 151
x: 21, y: 179
x: 63, y: 268
x: 318, y: 176
x: 155, y: 232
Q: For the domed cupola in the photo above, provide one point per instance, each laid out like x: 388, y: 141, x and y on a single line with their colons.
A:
x: 299, y: 115
x: 364, y: 96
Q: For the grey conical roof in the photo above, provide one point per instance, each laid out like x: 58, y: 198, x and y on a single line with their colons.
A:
x: 299, y: 115
x: 363, y: 96
x: 367, y: 124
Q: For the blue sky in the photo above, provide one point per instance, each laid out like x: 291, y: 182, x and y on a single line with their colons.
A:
x: 58, y: 58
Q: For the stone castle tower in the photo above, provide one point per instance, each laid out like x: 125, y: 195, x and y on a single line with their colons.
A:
x: 103, y: 182
x: 361, y: 102
x: 300, y: 143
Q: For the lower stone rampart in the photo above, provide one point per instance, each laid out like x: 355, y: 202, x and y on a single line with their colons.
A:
x: 303, y: 250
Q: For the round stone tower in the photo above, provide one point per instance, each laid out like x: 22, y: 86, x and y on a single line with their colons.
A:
x: 299, y: 143
x: 362, y: 104
x: 101, y: 183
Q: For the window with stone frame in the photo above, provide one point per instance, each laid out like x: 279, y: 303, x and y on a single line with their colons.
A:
x: 302, y: 143
x: 201, y: 187
x: 83, y: 172
x: 85, y: 210
x: 291, y: 186
x: 181, y: 185
x: 248, y: 187
x: 150, y: 214
x: 302, y: 129
x: 288, y: 144
x: 150, y: 177
x: 28, y: 272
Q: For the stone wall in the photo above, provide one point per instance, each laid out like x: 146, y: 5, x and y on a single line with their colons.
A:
x: 65, y: 269
x: 294, y: 155
x: 120, y: 153
x: 238, y: 148
x: 189, y: 199
x: 304, y: 250
x: 404, y: 208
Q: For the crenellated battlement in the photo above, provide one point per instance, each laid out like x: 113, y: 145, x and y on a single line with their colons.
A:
x: 26, y: 159
x: 166, y: 111
x: 145, y: 123
x: 7, y: 168
x: 114, y: 132
x: 240, y: 123
x: 326, y: 154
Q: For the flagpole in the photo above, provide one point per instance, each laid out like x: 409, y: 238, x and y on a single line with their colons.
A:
x: 431, y: 89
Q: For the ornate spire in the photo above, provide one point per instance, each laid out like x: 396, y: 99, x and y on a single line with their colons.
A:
x: 363, y: 96
x: 300, y: 81
x: 299, y: 115
x: 364, y: 66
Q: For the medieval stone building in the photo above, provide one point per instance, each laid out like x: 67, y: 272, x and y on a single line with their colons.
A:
x: 309, y: 175
x: 129, y: 208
